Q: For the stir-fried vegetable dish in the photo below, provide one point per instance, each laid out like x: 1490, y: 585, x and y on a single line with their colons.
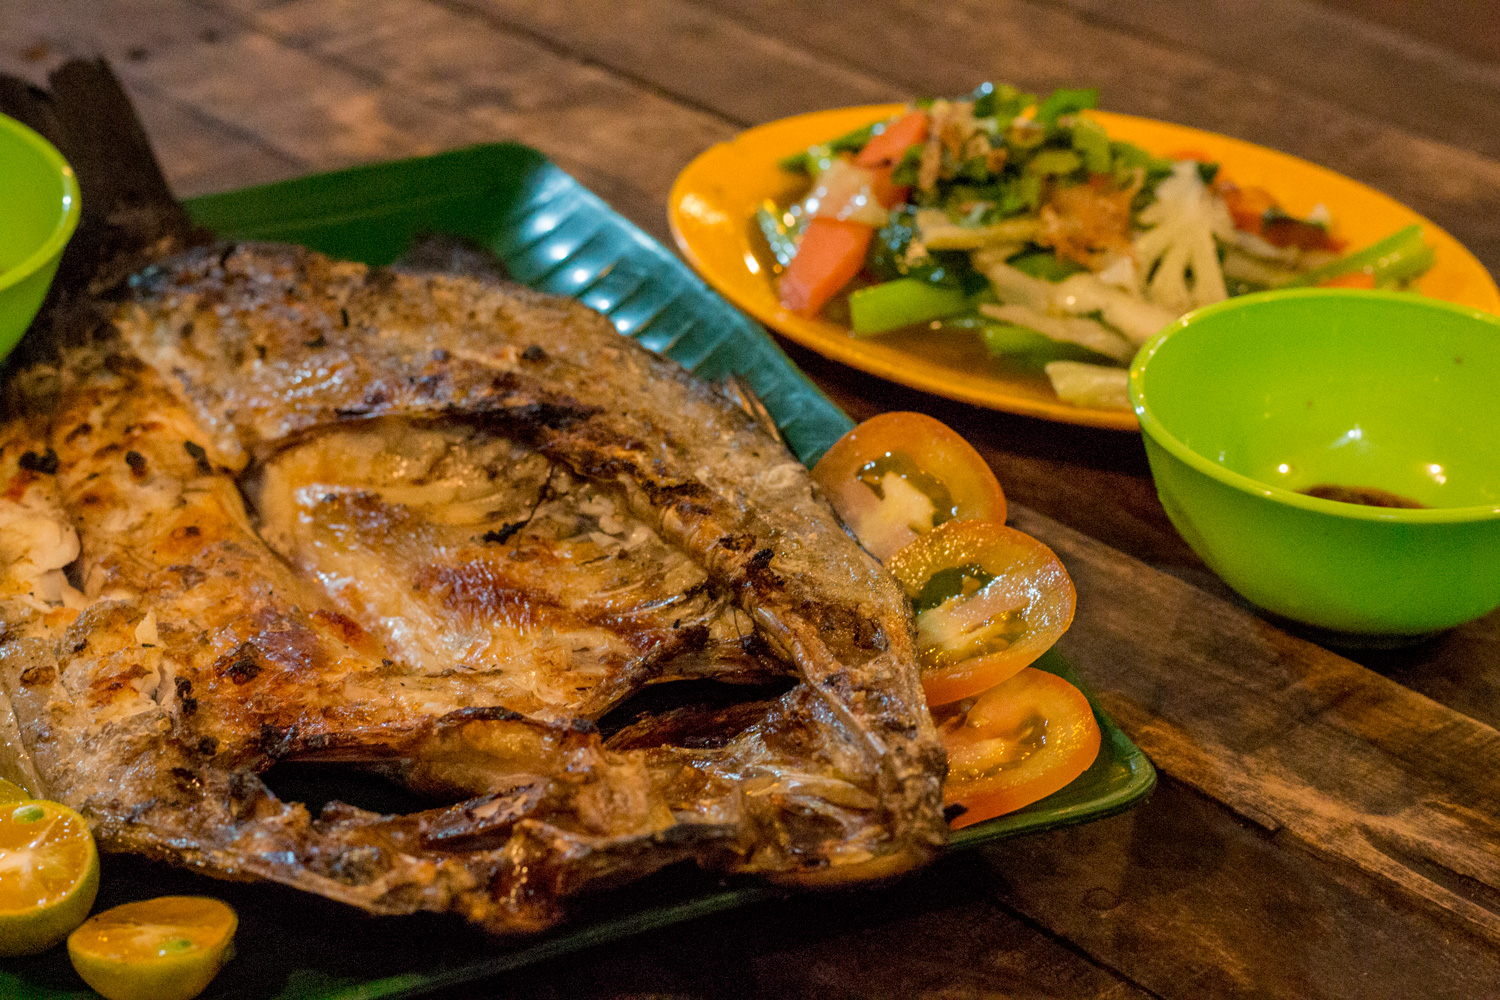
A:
x: 1021, y: 221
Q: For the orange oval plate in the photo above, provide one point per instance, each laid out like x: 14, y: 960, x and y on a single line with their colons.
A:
x: 713, y: 202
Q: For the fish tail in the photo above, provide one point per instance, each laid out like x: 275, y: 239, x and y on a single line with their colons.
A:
x: 129, y: 218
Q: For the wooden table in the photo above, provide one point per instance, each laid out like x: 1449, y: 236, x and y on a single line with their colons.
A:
x: 1326, y: 825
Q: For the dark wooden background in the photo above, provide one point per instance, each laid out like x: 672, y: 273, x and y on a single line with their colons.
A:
x: 1327, y: 824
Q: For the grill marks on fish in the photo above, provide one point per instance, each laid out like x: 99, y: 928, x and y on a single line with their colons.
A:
x: 580, y: 604
x: 479, y: 519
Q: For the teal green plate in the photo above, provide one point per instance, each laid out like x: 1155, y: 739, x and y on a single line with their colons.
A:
x: 554, y: 235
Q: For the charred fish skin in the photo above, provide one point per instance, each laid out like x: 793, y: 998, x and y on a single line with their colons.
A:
x: 555, y: 374
x: 164, y: 644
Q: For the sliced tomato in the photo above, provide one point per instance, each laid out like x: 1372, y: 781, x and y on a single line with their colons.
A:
x: 1018, y: 742
x: 898, y: 475
x: 989, y: 600
x: 887, y: 148
x: 1254, y: 210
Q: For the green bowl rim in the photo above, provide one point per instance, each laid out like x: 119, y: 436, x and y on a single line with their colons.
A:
x: 73, y: 209
x: 1153, y: 427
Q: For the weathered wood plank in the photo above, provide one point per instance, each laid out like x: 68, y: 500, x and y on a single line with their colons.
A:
x: 291, y: 102
x: 1460, y: 669
x: 1289, y: 734
x: 1188, y: 904
x: 328, y: 84
x: 947, y: 48
x: 694, y: 54
x: 1339, y: 57
x: 622, y: 139
x: 1468, y: 26
x: 199, y: 153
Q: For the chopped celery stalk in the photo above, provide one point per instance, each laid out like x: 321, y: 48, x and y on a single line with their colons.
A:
x: 1007, y: 338
x: 783, y: 244
x: 1404, y: 267
x: 1395, y: 258
x: 1020, y: 343
x: 894, y: 304
x: 1065, y: 102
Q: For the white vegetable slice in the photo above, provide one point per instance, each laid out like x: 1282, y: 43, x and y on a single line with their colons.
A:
x: 1012, y: 285
x: 1082, y: 293
x: 1132, y: 315
x: 938, y: 232
x: 1095, y: 386
x: 846, y: 191
x: 1070, y: 329
x: 1184, y: 217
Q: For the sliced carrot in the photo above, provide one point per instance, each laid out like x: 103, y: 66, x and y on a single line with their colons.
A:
x: 831, y: 252
x: 887, y: 148
x: 883, y: 152
x: 1355, y: 279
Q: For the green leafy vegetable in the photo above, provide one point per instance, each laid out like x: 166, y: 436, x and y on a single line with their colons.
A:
x: 1024, y: 194
x: 850, y: 142
x: 1092, y: 143
x: 1065, y: 102
x: 1003, y: 102
x: 891, y: 256
x: 905, y: 172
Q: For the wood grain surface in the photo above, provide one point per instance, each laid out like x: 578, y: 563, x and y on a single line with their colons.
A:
x: 1328, y: 823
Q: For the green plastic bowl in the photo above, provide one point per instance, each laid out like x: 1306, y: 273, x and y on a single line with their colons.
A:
x: 1246, y: 403
x: 39, y: 208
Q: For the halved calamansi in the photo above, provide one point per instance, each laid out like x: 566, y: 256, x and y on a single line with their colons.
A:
x: 169, y: 948
x: 49, y: 874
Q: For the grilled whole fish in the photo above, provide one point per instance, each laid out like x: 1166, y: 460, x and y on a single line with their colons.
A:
x: 296, y: 509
